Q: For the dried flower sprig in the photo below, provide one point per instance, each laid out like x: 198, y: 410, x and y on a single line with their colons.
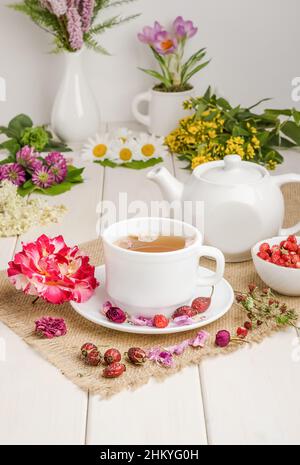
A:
x: 263, y: 307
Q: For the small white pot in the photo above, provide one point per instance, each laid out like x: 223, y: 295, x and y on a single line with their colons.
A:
x: 75, y: 115
x: 165, y: 110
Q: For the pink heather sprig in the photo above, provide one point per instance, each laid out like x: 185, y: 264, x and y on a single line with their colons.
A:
x: 74, y: 29
x: 86, y: 8
x: 57, y: 7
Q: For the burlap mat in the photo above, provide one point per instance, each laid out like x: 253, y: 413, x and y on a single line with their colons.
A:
x: 18, y: 313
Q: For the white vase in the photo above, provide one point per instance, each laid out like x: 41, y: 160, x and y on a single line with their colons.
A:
x: 75, y: 115
x: 165, y: 110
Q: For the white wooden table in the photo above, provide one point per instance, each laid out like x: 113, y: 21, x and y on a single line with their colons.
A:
x: 247, y: 397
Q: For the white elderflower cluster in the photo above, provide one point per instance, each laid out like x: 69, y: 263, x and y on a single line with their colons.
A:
x: 19, y: 214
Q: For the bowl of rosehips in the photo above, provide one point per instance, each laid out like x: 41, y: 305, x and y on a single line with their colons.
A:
x: 277, y: 262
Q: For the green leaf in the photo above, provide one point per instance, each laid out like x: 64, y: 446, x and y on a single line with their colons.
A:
x: 74, y: 174
x: 56, y: 146
x: 239, y: 131
x: 140, y: 165
x: 7, y: 132
x: 196, y: 57
x: 156, y: 75
x: 135, y: 164
x: 56, y: 189
x: 27, y: 188
x: 286, y: 112
x: 106, y: 163
x: 292, y: 131
x: 296, y: 116
x: 11, y: 145
x: 9, y: 159
x: 207, y: 94
x: 224, y: 104
x: 19, y: 123
x: 194, y: 71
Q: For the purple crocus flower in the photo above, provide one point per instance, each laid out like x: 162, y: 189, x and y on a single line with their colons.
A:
x: 184, y: 28
x: 86, y: 8
x: 28, y: 158
x: 57, y: 166
x: 14, y: 173
x: 148, y: 35
x: 42, y: 177
x: 57, y: 7
x: 164, y: 43
x: 74, y: 29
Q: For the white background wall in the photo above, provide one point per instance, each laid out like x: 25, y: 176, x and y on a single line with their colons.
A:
x: 254, y: 46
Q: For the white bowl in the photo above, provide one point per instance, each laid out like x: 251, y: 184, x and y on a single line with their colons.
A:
x: 286, y: 281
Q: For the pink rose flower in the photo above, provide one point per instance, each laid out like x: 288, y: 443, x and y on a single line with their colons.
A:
x: 50, y: 327
x: 48, y: 268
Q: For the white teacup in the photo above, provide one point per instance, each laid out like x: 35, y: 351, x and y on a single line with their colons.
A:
x: 143, y: 283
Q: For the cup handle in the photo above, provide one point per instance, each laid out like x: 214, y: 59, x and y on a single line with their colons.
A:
x: 144, y: 97
x: 213, y: 252
x: 280, y: 180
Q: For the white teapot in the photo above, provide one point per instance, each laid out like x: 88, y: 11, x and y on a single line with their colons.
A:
x: 243, y: 204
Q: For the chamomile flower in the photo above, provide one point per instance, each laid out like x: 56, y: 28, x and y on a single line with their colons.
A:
x: 124, y: 152
x: 151, y: 147
x: 123, y: 134
x: 97, y: 148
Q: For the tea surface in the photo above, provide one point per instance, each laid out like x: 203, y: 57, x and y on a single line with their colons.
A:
x: 153, y: 245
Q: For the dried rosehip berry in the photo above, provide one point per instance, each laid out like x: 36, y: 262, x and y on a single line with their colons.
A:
x: 292, y: 239
x: 114, y: 370
x: 252, y: 287
x: 240, y: 298
x: 136, y: 355
x: 93, y: 358
x: 259, y: 323
x: 241, y: 332
x: 111, y: 356
x: 201, y: 304
x: 160, y: 321
x: 184, y: 311
x: 90, y: 354
x: 248, y: 325
x: 87, y: 347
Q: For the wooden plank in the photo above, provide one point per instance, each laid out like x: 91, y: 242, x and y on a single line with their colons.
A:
x: 38, y: 404
x: 251, y: 396
x: 158, y: 413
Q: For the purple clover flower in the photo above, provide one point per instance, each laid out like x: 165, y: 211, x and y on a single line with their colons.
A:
x: 14, y: 173
x: 42, y: 177
x: 184, y: 29
x: 57, y: 165
x: 86, y: 8
x: 164, y: 43
x: 74, y: 29
x: 28, y: 158
x: 148, y: 35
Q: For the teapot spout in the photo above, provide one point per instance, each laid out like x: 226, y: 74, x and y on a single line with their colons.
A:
x: 170, y: 187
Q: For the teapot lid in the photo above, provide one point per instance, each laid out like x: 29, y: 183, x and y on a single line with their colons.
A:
x: 231, y: 170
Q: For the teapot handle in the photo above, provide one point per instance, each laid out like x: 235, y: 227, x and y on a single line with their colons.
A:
x: 280, y: 181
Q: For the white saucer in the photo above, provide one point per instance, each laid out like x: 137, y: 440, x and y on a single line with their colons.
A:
x: 221, y: 302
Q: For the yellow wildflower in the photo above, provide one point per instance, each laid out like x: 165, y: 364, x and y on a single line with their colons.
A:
x: 199, y: 160
x: 255, y: 142
x: 271, y: 165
